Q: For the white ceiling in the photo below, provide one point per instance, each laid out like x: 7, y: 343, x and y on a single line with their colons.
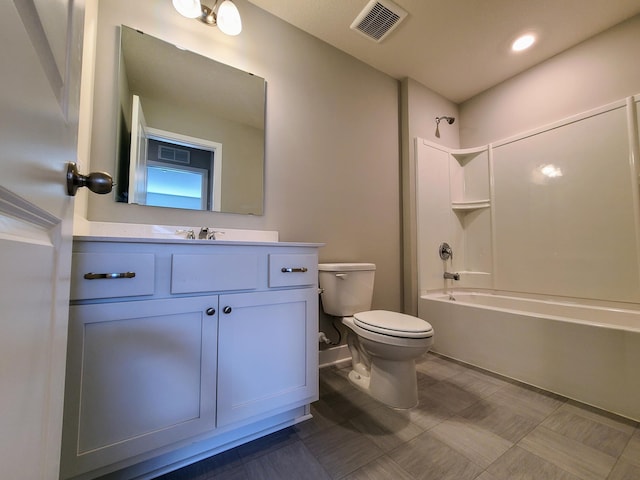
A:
x: 457, y: 48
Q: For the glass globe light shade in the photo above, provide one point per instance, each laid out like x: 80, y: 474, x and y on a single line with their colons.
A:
x: 188, y: 8
x: 229, y: 20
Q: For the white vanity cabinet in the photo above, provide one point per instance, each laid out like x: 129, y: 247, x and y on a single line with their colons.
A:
x: 176, y: 344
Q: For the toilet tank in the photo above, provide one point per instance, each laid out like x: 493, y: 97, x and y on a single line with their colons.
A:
x: 347, y: 288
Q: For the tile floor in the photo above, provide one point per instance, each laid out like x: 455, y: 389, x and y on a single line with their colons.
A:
x: 469, y: 424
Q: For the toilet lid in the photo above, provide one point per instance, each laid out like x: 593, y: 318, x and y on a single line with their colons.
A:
x: 393, y: 323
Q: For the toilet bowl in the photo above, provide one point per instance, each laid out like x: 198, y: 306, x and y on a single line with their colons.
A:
x: 383, y: 344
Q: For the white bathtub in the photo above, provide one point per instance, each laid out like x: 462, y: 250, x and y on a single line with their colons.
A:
x: 590, y: 354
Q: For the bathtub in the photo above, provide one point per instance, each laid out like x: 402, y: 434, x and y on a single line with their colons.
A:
x: 587, y: 353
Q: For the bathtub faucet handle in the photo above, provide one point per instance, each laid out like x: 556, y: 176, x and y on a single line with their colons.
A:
x: 451, y: 276
x: 445, y: 251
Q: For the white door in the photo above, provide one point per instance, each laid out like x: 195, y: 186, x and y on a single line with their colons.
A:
x: 138, y: 158
x: 40, y: 54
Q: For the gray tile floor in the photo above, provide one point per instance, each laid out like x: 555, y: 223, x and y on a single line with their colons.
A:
x: 469, y: 424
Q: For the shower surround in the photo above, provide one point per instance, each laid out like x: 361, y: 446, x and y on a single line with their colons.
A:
x: 552, y: 214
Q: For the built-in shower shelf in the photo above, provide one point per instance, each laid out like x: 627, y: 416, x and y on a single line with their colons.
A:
x: 470, y: 205
x: 464, y: 155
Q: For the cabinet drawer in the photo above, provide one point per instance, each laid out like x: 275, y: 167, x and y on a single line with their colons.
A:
x: 213, y: 273
x: 287, y: 270
x: 118, y: 270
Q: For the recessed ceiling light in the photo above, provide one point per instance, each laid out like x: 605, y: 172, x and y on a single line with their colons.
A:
x: 523, y: 42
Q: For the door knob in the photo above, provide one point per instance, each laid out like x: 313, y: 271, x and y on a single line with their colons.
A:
x: 227, y: 309
x: 97, y: 182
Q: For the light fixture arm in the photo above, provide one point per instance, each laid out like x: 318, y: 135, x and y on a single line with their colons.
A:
x: 209, y: 16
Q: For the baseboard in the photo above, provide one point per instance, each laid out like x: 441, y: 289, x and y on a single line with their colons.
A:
x: 334, y: 355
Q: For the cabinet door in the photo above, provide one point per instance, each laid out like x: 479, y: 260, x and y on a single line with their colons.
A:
x: 267, y: 353
x: 141, y: 375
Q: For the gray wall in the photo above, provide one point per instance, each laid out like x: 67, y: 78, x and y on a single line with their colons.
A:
x: 332, y: 147
x: 598, y: 71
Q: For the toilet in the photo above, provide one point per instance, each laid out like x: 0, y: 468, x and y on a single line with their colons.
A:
x: 383, y: 344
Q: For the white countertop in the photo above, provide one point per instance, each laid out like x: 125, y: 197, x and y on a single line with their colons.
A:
x: 96, y: 238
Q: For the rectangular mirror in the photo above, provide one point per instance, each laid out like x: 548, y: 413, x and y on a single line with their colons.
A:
x: 190, y: 130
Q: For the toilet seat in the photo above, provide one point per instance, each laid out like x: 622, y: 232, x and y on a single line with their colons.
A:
x: 393, y: 324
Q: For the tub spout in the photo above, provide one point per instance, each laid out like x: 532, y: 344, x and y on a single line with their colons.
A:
x: 451, y: 276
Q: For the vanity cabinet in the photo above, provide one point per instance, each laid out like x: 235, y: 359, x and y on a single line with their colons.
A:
x: 176, y: 343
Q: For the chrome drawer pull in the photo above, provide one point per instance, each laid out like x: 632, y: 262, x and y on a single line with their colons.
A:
x: 96, y: 276
x: 294, y: 270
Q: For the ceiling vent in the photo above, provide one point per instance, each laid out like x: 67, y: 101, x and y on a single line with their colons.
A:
x: 378, y: 19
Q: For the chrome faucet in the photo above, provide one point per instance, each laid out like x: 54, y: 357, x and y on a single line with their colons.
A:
x: 451, y: 276
x: 208, y: 233
x: 204, y: 233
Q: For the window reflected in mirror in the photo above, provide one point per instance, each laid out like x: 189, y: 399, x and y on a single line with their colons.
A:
x: 180, y: 176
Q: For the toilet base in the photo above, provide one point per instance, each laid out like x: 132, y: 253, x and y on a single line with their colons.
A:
x: 384, y: 366
x: 360, y: 381
x: 390, y: 382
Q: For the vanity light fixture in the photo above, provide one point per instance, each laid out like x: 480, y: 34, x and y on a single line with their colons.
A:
x: 223, y: 14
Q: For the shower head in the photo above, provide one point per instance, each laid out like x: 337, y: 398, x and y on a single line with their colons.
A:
x: 449, y: 120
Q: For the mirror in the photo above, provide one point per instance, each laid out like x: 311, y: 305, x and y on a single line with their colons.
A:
x: 190, y: 129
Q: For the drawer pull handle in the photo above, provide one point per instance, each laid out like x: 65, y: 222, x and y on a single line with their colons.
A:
x: 96, y: 276
x: 294, y: 270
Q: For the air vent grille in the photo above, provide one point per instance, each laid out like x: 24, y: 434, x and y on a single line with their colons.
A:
x: 170, y: 154
x: 378, y: 19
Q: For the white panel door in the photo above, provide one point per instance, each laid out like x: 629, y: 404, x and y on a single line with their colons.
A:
x: 39, y: 78
x: 138, y: 158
